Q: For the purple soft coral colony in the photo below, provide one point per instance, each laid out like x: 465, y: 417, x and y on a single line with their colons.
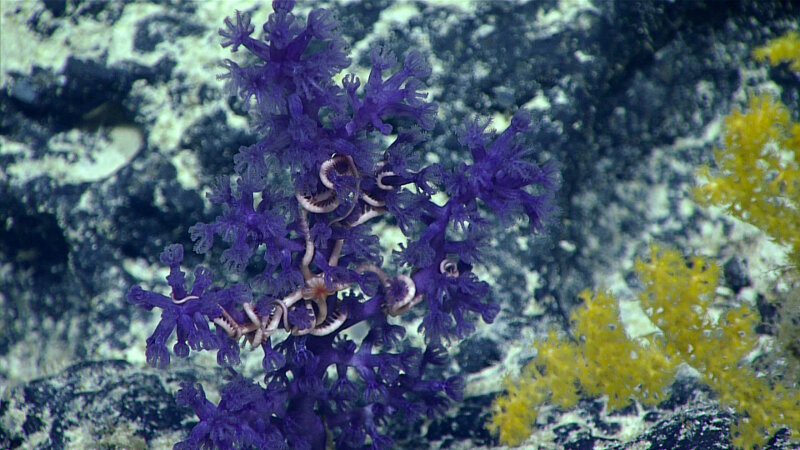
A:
x: 320, y: 269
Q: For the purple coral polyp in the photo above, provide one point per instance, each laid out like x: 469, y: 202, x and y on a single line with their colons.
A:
x: 322, y: 268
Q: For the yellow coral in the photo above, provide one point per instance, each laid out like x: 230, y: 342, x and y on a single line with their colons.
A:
x: 669, y: 282
x: 514, y: 413
x: 611, y: 364
x: 604, y: 363
x: 783, y: 49
x: 678, y: 296
x: 714, y: 340
x: 758, y: 176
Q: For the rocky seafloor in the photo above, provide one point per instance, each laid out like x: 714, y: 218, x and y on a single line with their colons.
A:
x: 113, y: 126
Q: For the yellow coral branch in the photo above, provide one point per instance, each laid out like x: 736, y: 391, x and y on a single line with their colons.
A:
x: 783, y: 49
x: 758, y: 171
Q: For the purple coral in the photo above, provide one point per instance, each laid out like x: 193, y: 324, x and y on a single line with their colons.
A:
x: 322, y: 270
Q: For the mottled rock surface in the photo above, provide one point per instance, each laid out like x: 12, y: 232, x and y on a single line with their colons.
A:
x: 113, y: 126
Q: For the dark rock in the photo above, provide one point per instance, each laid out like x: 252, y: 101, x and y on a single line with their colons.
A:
x: 735, y: 275
x: 101, y: 399
x: 476, y: 354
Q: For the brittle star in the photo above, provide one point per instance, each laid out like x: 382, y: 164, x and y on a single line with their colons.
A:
x: 315, y: 291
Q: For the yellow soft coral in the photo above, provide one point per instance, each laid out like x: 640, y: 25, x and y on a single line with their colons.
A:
x: 714, y: 341
x: 604, y: 363
x: 783, y: 49
x: 610, y: 363
x: 679, y: 297
x: 515, y: 412
x: 758, y: 175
